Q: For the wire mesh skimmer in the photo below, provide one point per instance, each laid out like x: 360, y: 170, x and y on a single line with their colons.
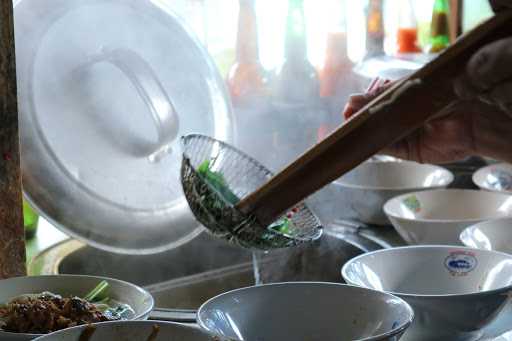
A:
x: 215, y: 176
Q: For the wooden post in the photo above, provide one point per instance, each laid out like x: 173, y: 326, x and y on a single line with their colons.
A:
x: 12, y: 236
x: 456, y: 9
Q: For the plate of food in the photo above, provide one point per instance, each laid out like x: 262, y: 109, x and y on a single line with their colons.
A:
x: 36, y: 305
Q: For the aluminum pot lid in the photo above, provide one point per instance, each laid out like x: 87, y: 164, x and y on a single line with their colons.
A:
x: 106, y: 88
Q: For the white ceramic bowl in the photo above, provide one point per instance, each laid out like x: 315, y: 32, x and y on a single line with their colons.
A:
x: 73, y: 285
x: 454, y: 291
x: 131, y: 331
x: 367, y: 187
x: 439, y: 216
x: 305, y: 311
x: 496, y: 177
x: 489, y: 235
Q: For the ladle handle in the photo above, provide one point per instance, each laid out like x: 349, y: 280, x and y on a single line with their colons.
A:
x: 151, y: 91
x: 394, y: 114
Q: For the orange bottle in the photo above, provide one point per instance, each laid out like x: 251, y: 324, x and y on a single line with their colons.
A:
x: 247, y: 78
x: 336, y: 65
x: 407, y: 40
x: 407, y: 35
x: 336, y: 74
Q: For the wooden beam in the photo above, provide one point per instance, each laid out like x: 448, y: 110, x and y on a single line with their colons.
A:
x: 12, y: 238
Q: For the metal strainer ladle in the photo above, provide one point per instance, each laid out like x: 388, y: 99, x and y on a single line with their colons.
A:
x: 243, y: 176
x: 389, y: 117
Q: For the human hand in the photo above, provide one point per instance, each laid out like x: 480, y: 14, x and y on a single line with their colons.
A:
x: 479, y: 124
x: 471, y: 127
x: 500, y: 5
x: 488, y: 76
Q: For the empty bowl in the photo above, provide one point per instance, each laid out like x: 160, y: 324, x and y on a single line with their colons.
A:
x: 496, y: 177
x: 130, y: 331
x: 489, y: 235
x: 310, y: 311
x: 439, y: 216
x: 454, y: 291
x: 73, y: 285
x: 365, y: 189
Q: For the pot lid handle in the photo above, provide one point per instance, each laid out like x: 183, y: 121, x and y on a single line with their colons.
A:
x: 151, y: 91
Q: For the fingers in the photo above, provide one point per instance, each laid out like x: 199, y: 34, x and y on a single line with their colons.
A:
x: 488, y: 76
x: 465, y: 89
x: 490, y: 65
x: 501, y: 95
x: 355, y: 102
x: 444, y: 140
x: 500, y: 5
x: 358, y: 101
x: 404, y: 149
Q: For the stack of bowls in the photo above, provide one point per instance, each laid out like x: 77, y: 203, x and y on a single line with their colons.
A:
x: 456, y: 292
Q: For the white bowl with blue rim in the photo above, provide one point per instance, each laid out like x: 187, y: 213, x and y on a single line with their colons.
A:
x: 455, y: 291
x: 311, y: 311
x: 495, y: 177
x: 439, y: 216
x: 489, y: 235
x: 367, y: 187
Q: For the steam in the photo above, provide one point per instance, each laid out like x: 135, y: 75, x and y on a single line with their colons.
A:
x: 317, y: 261
x: 276, y: 132
x: 110, y: 129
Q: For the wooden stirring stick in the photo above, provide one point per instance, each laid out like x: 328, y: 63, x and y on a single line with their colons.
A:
x: 394, y: 114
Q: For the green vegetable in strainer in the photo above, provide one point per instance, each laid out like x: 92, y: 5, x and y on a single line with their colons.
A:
x: 219, y: 183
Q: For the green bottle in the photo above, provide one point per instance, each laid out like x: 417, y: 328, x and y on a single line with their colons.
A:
x: 375, y: 29
x: 297, y: 80
x: 440, y: 26
x: 295, y: 39
x: 30, y: 220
